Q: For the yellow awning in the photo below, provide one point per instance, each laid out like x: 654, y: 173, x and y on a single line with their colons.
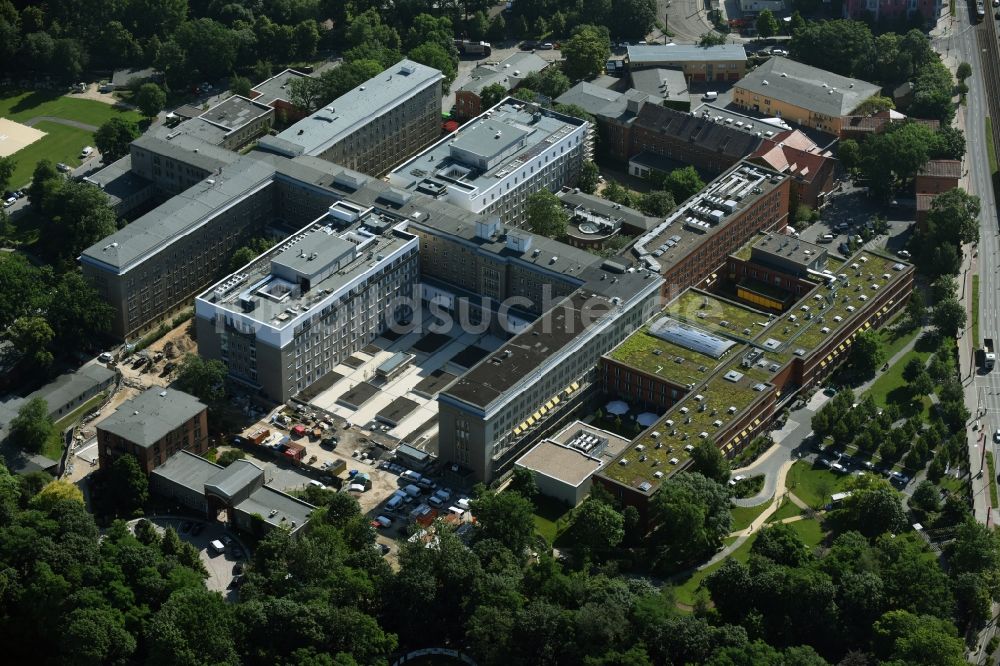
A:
x: 729, y: 447
x: 736, y: 440
x: 556, y: 400
x: 574, y: 385
x: 517, y: 431
x: 530, y: 422
x: 536, y: 416
x: 830, y: 357
x: 841, y: 347
x: 549, y: 405
x: 868, y: 324
x: 543, y: 411
x: 756, y: 422
x: 568, y: 391
x: 822, y: 364
x: 743, y: 434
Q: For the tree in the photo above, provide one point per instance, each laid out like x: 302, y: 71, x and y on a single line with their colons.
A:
x: 491, y: 95
x: 954, y: 217
x: 632, y: 19
x: 551, y: 82
x: 684, y: 183
x: 44, y: 180
x: 31, y: 336
x: 692, y: 517
x: 949, y: 144
x: 596, y: 526
x: 781, y: 544
x: 616, y: 192
x: 964, y: 71
x: 434, y: 55
x: 845, y: 47
x: 506, y: 517
x: 96, y: 636
x: 523, y: 483
x: 114, y: 137
x: 873, y: 508
x: 150, y: 98
x: 226, y: 458
x: 32, y: 427
x: 874, y: 104
x: 926, y: 497
x: 948, y: 316
x: 192, y: 627
x: 586, y: 52
x: 81, y: 216
x: 796, y: 24
x: 546, y: 215
x: 306, y: 37
x: 657, y: 203
x: 57, y: 491
x: 498, y: 29
x: 7, y: 166
x: 342, y: 509
x: 849, y: 153
x: 932, y: 92
x: 712, y: 38
x: 204, y: 379
x: 707, y: 460
x: 918, y: 639
x: 867, y: 353
x: 588, y: 180
x: 210, y: 48
x: 128, y: 485
x: 767, y: 25
x: 240, y: 85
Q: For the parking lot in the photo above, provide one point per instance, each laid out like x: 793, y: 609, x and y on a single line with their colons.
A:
x: 222, y: 567
x: 849, y: 209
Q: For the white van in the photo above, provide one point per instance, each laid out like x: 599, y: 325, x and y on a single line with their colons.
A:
x: 825, y: 238
x: 383, y: 521
x: 313, y: 482
x: 711, y: 96
x: 217, y: 547
x: 86, y: 152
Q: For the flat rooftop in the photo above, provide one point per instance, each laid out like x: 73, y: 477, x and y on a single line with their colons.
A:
x: 662, y: 84
x: 235, y: 112
x: 717, y: 315
x: 330, y: 258
x: 790, y: 249
x: 508, y: 72
x: 574, y: 453
x: 485, y: 150
x: 664, y: 53
x: 704, y: 215
x: 277, y: 508
x: 118, y: 181
x: 276, y: 87
x: 179, y: 215
x: 353, y: 109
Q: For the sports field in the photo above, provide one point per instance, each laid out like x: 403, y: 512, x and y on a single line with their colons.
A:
x: 48, y: 112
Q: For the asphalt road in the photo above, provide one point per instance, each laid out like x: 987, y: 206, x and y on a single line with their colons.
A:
x: 687, y: 20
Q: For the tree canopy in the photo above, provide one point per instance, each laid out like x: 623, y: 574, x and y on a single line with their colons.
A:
x: 546, y: 215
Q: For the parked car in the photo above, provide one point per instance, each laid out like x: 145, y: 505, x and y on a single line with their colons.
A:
x: 996, y: 436
x: 106, y: 357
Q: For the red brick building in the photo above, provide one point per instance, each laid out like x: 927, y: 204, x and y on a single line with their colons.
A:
x: 794, y: 154
x: 938, y: 176
x: 153, y: 426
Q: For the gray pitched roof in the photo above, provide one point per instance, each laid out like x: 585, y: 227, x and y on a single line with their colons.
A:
x: 707, y: 134
x: 234, y: 478
x: 595, y: 100
x: 188, y: 470
x: 509, y: 72
x: 146, y: 418
x: 808, y: 87
x: 661, y: 83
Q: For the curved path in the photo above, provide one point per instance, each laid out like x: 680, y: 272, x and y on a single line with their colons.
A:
x: 61, y: 121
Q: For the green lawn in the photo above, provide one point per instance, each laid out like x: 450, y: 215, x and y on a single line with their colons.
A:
x: 810, y: 531
x: 743, y: 516
x: 975, y: 310
x: 685, y: 592
x: 814, y: 485
x: 60, y: 144
x: 54, y: 446
x: 892, y: 342
x: 892, y: 388
x: 786, y: 510
x: 549, y: 517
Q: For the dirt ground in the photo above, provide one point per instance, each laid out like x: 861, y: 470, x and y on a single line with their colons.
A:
x: 92, y: 93
x: 174, y: 345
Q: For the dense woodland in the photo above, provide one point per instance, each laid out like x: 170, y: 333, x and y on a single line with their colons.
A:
x: 71, y: 596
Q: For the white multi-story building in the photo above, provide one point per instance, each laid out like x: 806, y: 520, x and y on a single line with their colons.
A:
x: 292, y: 314
x: 495, y: 162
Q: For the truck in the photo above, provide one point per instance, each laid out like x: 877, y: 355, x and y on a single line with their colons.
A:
x: 989, y: 354
x: 466, y: 47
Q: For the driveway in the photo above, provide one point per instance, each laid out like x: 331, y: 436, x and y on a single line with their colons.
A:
x: 219, y: 567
